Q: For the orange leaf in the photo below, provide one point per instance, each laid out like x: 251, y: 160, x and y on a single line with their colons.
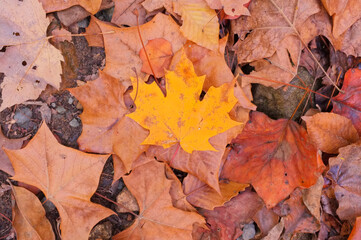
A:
x: 274, y: 156
x: 106, y: 129
x: 160, y: 55
x: 57, y: 5
x: 347, y: 103
x: 30, y: 221
x: 330, y: 131
x: 66, y: 176
x: 157, y: 219
x: 356, y: 231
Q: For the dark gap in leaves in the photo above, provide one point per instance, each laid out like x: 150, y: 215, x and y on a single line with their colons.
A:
x: 105, y: 15
x: 3, y: 49
x: 203, y: 93
x: 180, y: 174
x: 290, y: 58
x: 247, y: 68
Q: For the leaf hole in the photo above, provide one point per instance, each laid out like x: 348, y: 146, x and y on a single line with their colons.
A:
x: 37, y: 81
x: 16, y: 34
x: 3, y: 49
x: 285, y: 174
x: 24, y: 63
x: 233, y: 10
x: 203, y: 93
x: 35, y: 67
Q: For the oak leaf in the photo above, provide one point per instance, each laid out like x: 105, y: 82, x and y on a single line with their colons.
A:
x: 122, y: 45
x: 330, y: 131
x: 180, y: 117
x: 29, y: 220
x: 200, y: 23
x: 345, y: 174
x: 274, y: 156
x: 160, y: 55
x: 29, y: 62
x: 57, y: 5
x: 66, y: 176
x: 158, y: 218
x: 347, y: 103
x: 106, y: 128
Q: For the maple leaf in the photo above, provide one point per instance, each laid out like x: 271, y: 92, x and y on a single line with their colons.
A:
x: 29, y: 62
x: 180, y: 117
x: 106, y: 129
x: 29, y: 220
x: 127, y: 41
x: 345, y: 173
x: 274, y: 156
x: 157, y: 218
x: 330, y: 131
x: 57, y: 5
x: 347, y: 103
x: 66, y: 176
x: 200, y: 23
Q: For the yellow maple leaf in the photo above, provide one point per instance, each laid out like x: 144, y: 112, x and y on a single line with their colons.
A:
x: 181, y: 117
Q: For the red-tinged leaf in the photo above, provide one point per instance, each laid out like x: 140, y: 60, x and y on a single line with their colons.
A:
x: 356, y: 231
x: 274, y: 156
x: 348, y: 103
x: 225, y: 221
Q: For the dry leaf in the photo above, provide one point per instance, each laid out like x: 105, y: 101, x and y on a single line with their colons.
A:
x: 231, y: 7
x: 346, y: 174
x: 200, y: 23
x: 356, y: 231
x: 57, y: 5
x: 123, y: 12
x: 106, y: 129
x: 330, y: 131
x: 160, y: 55
x: 67, y: 183
x: 127, y: 42
x: 275, y: 156
x: 312, y: 198
x: 29, y: 62
x: 180, y: 117
x: 157, y: 219
x: 29, y: 220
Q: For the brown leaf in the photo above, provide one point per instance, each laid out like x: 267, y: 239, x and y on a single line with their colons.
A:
x: 330, y: 131
x: 226, y: 221
x: 57, y: 5
x: 312, y: 198
x: 356, y: 231
x: 126, y: 41
x: 345, y: 172
x: 104, y: 120
x: 67, y: 183
x: 5, y: 164
x: 123, y: 12
x: 160, y: 54
x: 29, y: 220
x: 157, y: 219
x: 274, y: 156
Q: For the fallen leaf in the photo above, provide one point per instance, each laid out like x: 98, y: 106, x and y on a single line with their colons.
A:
x: 68, y: 184
x: 126, y: 41
x: 104, y: 120
x: 201, y: 195
x: 330, y: 131
x: 265, y: 219
x: 312, y: 198
x: 157, y: 218
x: 345, y: 173
x: 160, y: 55
x: 57, y: 5
x: 226, y: 221
x: 350, y: 41
x: 343, y: 14
x: 298, y: 218
x: 231, y: 7
x: 29, y: 62
x: 126, y: 202
x: 151, y: 5
x: 200, y: 23
x: 356, y: 231
x: 5, y: 164
x: 29, y: 220
x: 123, y: 12
x: 180, y: 117
x: 268, y: 38
x: 275, y: 156
x: 346, y: 103
x: 275, y: 232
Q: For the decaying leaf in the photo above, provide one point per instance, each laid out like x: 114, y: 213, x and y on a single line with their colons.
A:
x: 274, y: 156
x: 157, y: 219
x: 29, y: 220
x: 330, y: 131
x: 57, y: 5
x: 160, y: 55
x: 200, y: 23
x: 180, y: 117
x: 127, y: 42
x: 123, y: 12
x: 29, y: 62
x: 347, y: 103
x: 230, y: 7
x: 66, y: 176
x: 106, y: 128
x: 346, y: 175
